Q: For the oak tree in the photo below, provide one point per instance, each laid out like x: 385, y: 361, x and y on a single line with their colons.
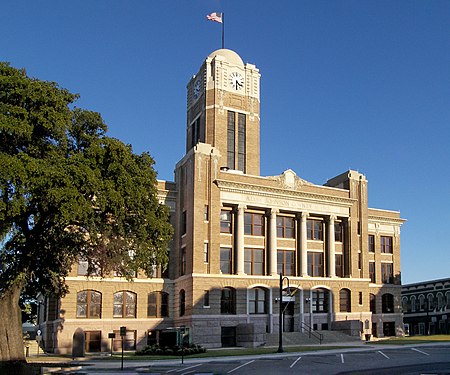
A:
x: 67, y: 192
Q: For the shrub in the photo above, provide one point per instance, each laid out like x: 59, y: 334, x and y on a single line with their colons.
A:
x: 176, y: 349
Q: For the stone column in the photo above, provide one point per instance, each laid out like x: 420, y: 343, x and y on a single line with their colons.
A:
x: 273, y: 241
x: 240, y: 240
x: 303, y: 245
x: 331, y: 247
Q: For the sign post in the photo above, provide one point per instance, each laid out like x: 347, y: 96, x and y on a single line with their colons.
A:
x: 111, y: 336
x: 123, y: 333
x: 38, y: 339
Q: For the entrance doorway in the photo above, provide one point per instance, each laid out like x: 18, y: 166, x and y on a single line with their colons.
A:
x: 389, y: 329
x: 288, y: 316
x: 228, y: 337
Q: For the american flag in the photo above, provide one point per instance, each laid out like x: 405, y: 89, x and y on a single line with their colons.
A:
x: 217, y: 17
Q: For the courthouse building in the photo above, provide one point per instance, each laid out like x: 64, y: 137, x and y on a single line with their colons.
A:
x: 235, y: 232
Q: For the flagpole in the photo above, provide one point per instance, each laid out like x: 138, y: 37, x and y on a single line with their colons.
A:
x: 223, y: 30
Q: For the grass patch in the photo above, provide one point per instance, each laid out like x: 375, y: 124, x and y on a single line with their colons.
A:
x: 413, y: 340
x: 227, y: 352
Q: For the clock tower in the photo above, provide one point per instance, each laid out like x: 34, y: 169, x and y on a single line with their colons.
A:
x: 223, y: 110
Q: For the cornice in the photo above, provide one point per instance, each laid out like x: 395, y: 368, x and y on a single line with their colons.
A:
x: 387, y: 220
x: 274, y: 192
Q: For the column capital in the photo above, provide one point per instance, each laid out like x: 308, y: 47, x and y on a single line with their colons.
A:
x: 241, y: 207
x: 304, y: 215
x: 274, y: 211
x: 332, y: 218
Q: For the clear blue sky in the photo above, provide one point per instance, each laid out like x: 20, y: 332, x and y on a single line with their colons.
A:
x: 352, y: 84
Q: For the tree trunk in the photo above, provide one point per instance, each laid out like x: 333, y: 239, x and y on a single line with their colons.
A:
x: 11, y: 341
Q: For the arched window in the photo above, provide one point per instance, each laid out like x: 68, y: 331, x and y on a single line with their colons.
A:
x: 413, y: 303
x: 447, y: 295
x: 387, y: 303
x: 440, y: 300
x: 124, y: 304
x: 182, y: 298
x: 373, y: 303
x: 228, y: 301
x: 422, y: 304
x: 345, y: 301
x: 158, y: 304
x: 405, y: 304
x: 89, y: 304
x: 257, y: 301
x: 431, y: 302
x: 320, y: 300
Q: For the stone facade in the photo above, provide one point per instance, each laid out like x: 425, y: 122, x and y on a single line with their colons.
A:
x: 236, y: 231
x: 426, y: 307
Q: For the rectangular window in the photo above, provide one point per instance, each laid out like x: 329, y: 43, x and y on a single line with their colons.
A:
x: 339, y: 265
x: 206, y: 213
x: 129, y: 341
x: 183, y: 223
x: 83, y: 267
x: 253, y: 224
x: 387, y: 273
x: 386, y: 244
x: 372, y: 272
x: 225, y: 221
x: 225, y: 260
x: 338, y: 232
x: 320, y: 301
x: 206, y: 252
x: 241, y: 141
x: 183, y: 262
x: 371, y: 243
x: 360, y: 298
x: 231, y: 139
x: 285, y: 227
x: 92, y: 341
x: 157, y: 304
x: 195, y: 132
x: 314, y: 230
x: 286, y: 262
x: 206, y: 298
x: 315, y: 264
x: 257, y: 301
x: 254, y: 261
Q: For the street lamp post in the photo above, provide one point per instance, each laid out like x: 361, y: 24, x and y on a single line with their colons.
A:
x: 280, y: 325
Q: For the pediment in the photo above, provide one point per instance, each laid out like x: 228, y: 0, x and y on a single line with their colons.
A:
x: 289, y: 180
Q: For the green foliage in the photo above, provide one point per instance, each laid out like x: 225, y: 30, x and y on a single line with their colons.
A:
x: 175, y: 350
x: 68, y: 191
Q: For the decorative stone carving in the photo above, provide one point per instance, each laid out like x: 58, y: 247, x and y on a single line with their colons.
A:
x: 289, y: 180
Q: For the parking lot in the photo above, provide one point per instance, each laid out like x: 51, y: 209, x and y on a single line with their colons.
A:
x: 427, y: 359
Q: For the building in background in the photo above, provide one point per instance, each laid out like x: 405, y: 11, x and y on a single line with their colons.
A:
x: 235, y: 232
x: 426, y: 307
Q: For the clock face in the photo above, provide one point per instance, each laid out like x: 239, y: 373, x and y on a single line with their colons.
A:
x: 236, y: 81
x: 197, y: 88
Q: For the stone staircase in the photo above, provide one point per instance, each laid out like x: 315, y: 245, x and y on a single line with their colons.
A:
x: 32, y: 348
x: 299, y: 338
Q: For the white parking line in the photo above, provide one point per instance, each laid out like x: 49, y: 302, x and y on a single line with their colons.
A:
x: 298, y: 359
x: 384, y: 355
x: 342, y: 358
x: 187, y: 368
x: 420, y: 351
x: 237, y: 368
